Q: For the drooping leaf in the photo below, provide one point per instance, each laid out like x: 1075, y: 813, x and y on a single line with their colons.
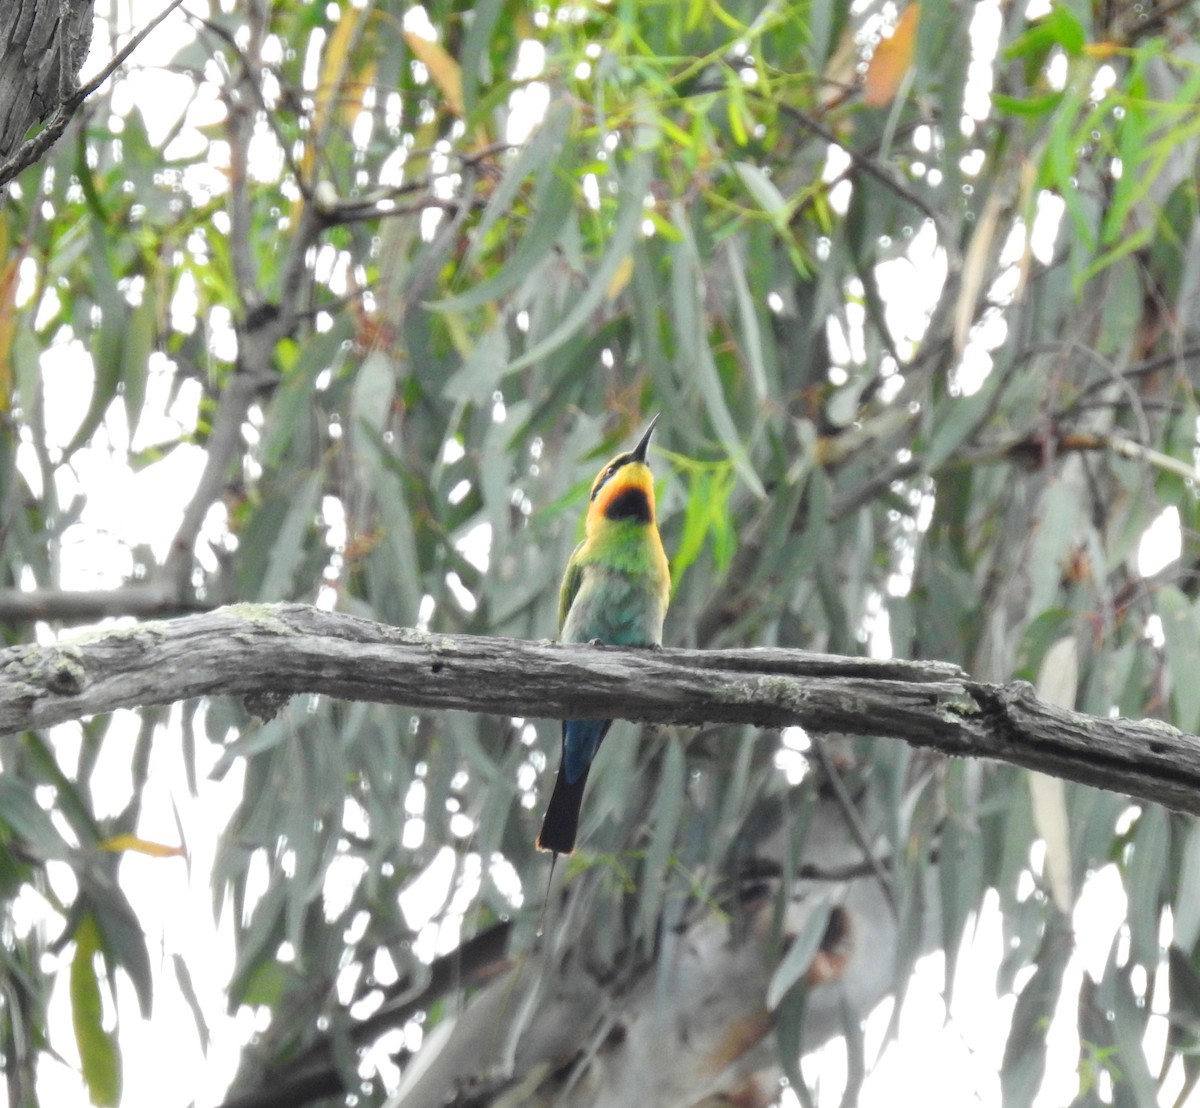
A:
x: 1146, y: 872
x: 442, y: 68
x: 126, y: 842
x: 20, y: 811
x: 892, y: 59
x: 803, y: 948
x: 1025, y: 1051
x: 99, y: 1052
x: 1057, y: 684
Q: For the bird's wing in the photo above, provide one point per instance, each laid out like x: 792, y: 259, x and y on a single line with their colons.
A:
x: 570, y: 586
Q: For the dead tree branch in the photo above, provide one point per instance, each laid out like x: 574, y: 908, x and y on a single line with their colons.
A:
x: 285, y: 649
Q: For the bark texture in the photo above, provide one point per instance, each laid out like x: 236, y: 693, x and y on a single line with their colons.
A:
x: 269, y: 650
x: 43, y: 45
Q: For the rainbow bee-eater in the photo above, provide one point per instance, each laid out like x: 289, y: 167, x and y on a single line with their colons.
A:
x: 615, y: 591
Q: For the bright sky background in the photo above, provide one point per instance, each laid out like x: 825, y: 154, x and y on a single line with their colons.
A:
x: 173, y: 897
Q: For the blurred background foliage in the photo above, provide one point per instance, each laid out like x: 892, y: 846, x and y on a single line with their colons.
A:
x: 346, y: 303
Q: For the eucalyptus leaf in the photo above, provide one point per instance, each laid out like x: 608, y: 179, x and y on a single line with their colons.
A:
x: 664, y: 824
x: 99, y: 1052
x: 1186, y: 907
x: 804, y: 946
x: 1145, y: 875
x: 365, y: 337
x: 1025, y: 1051
x: 1181, y: 629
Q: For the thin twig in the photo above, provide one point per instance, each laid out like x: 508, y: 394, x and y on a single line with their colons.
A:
x: 439, y: 249
x: 143, y: 599
x: 849, y: 810
x: 270, y: 114
x: 316, y: 1074
x: 1178, y: 358
x: 868, y: 166
x: 355, y: 212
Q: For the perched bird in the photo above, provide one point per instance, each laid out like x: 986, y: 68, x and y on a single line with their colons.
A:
x: 615, y: 591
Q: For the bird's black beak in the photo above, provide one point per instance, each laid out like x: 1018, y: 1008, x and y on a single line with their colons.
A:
x: 638, y: 453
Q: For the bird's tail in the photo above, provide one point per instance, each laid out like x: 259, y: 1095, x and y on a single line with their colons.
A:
x: 562, y: 814
x: 581, y: 740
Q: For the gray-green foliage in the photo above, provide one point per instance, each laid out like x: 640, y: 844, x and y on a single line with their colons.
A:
x: 667, y: 239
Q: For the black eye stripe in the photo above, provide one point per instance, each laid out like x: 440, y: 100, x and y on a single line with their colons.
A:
x: 609, y: 471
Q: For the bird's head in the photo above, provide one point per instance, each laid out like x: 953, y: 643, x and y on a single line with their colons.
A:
x: 624, y: 488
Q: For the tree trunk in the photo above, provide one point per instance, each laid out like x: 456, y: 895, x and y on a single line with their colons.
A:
x: 695, y: 1022
x: 43, y: 45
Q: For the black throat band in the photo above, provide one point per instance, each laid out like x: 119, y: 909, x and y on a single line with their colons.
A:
x: 629, y: 503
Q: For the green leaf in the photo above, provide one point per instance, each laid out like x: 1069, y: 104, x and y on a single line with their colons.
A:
x: 856, y: 1063
x: 1060, y: 514
x: 374, y: 391
x: 289, y: 547
x: 20, y: 811
x: 255, y: 739
x: 99, y: 1054
x: 667, y: 813
x: 258, y: 943
x: 958, y: 419
x: 553, y: 203
x: 140, y: 336
x: 1040, y: 634
x: 1184, y: 1019
x: 108, y: 341
x: 1024, y: 1062
x: 1186, y: 906
x: 789, y: 1035
x: 484, y: 13
x: 267, y: 984
x: 1128, y: 1016
x: 694, y: 355
x: 763, y: 189
x: 293, y: 403
x: 396, y: 596
x: 1144, y: 878
x: 733, y: 800
x: 718, y: 412
x: 795, y: 963
x: 183, y: 978
x: 1060, y: 27
x: 543, y: 148
x: 1182, y: 638
x: 960, y: 874
x: 124, y: 942
x: 483, y: 369
x: 706, y: 513
x: 1029, y: 107
x: 628, y: 222
x: 752, y: 338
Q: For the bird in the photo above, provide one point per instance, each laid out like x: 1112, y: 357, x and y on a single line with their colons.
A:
x: 615, y: 591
